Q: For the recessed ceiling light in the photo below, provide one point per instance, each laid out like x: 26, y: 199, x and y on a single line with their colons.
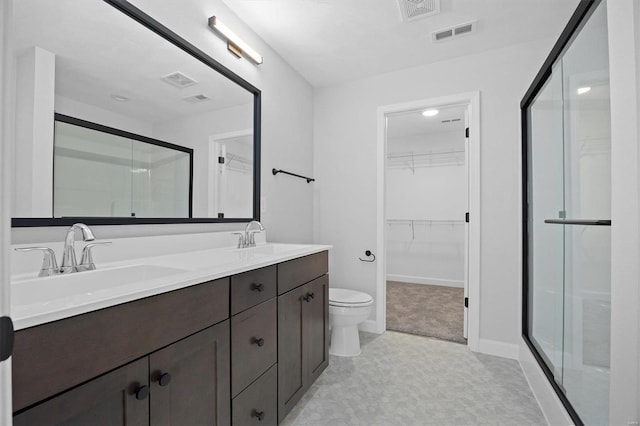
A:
x: 583, y: 90
x: 119, y: 98
x: 430, y: 112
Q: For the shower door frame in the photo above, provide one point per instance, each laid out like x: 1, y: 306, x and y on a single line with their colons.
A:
x: 580, y: 16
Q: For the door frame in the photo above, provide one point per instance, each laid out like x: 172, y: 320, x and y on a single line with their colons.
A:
x: 472, y: 100
x: 7, y: 97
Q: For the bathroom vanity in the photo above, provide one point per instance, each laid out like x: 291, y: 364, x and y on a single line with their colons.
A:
x: 216, y: 347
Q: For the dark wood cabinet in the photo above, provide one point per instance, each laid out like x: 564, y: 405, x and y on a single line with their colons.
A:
x: 316, y: 328
x: 53, y: 357
x: 189, y: 380
x: 186, y: 383
x: 116, y: 398
x: 303, y: 341
x: 240, y: 349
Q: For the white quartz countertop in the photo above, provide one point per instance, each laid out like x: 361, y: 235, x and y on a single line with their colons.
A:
x: 36, y: 301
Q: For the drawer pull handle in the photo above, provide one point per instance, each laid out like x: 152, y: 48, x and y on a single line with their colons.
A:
x: 142, y: 392
x: 164, y: 379
x: 258, y: 341
x: 257, y: 287
x: 307, y: 298
x: 258, y: 415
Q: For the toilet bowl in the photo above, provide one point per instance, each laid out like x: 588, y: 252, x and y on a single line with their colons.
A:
x: 347, y: 309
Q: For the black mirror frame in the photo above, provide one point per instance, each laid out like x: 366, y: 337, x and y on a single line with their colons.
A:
x: 136, y: 14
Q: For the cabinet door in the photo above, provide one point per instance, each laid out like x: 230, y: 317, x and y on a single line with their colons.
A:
x: 190, y: 380
x: 112, y: 399
x: 291, y: 377
x: 316, y: 328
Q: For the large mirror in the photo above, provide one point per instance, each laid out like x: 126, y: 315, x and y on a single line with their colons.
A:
x: 120, y: 121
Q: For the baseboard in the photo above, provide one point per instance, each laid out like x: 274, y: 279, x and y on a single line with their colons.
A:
x: 551, y: 406
x: 425, y: 280
x: 496, y: 348
x: 370, y: 326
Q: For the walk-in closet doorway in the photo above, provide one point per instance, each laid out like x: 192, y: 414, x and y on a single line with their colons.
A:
x: 428, y: 187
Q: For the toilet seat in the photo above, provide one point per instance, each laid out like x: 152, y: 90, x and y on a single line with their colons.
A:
x: 346, y: 298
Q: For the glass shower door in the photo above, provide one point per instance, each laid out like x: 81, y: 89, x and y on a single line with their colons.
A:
x: 568, y: 221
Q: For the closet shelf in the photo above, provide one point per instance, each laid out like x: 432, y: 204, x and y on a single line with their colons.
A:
x: 413, y: 160
x: 238, y: 163
x: 424, y: 221
x: 411, y: 223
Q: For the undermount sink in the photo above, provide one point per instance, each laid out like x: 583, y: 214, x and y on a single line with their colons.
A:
x: 42, y: 290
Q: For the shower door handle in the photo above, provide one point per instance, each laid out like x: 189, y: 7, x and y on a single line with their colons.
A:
x: 592, y: 222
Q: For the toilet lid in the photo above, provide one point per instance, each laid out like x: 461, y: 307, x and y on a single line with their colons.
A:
x: 346, y: 297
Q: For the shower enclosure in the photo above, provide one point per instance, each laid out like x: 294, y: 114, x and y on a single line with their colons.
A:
x: 567, y: 211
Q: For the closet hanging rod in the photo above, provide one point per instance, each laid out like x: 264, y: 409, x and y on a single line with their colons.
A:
x: 276, y: 171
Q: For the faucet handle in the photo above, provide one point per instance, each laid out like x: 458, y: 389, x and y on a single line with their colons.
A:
x: 86, y: 262
x: 49, y: 263
x: 241, y: 239
x: 252, y: 237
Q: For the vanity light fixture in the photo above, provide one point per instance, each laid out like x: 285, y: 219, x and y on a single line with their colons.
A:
x: 234, y: 43
x: 430, y: 112
x: 583, y: 90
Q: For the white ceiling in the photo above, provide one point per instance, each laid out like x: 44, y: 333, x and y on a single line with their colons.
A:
x: 413, y: 123
x: 331, y: 41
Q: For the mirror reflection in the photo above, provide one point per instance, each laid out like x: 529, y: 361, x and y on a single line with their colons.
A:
x: 90, y: 62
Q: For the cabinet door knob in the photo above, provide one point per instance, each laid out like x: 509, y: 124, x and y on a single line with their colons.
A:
x: 164, y: 379
x: 258, y: 415
x: 257, y: 287
x: 142, y: 392
x: 307, y: 297
x: 258, y: 341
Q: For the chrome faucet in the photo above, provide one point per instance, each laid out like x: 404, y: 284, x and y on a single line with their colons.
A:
x: 247, y: 238
x: 69, y: 262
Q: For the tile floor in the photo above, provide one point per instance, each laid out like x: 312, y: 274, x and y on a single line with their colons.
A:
x: 401, y: 379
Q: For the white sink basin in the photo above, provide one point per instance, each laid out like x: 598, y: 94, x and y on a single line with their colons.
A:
x: 44, y: 289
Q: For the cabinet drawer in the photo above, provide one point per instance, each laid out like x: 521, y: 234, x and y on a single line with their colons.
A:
x: 254, y: 344
x: 299, y: 271
x: 251, y: 288
x: 258, y: 402
x: 56, y: 356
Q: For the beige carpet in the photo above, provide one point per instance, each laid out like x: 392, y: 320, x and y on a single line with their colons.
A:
x: 426, y: 310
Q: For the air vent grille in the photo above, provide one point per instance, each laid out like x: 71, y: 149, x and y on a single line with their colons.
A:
x: 196, y: 98
x: 179, y: 80
x: 455, y: 31
x: 418, y: 9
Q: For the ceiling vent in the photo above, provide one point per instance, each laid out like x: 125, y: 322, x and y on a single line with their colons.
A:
x: 196, y: 98
x: 418, y: 9
x: 454, y: 32
x: 179, y: 80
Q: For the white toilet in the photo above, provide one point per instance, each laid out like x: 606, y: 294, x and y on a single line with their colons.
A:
x: 347, y: 309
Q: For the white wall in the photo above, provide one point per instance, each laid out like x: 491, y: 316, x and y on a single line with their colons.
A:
x: 624, y: 58
x: 345, y: 165
x: 286, y: 128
